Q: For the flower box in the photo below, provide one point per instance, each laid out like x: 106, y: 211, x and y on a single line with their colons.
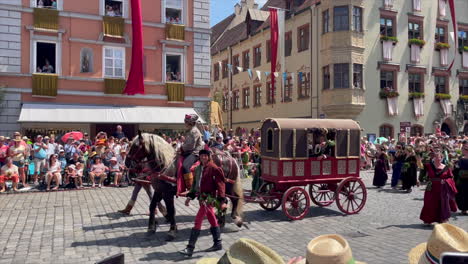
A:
x: 389, y: 38
x: 388, y: 94
x: 414, y: 95
x: 419, y: 42
x: 442, y: 45
x: 464, y: 98
x: 442, y: 96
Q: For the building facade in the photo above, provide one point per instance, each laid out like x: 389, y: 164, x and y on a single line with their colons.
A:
x: 385, y: 64
x: 64, y: 64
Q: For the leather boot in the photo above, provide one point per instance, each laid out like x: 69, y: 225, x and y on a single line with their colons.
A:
x: 188, y: 179
x: 188, y: 251
x: 171, y: 235
x: 217, y: 245
x: 152, y: 225
x: 128, y: 208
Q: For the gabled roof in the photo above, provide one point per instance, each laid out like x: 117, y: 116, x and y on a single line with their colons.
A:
x: 218, y: 29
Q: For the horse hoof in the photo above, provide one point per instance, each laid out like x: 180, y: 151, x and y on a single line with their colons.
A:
x: 238, y: 221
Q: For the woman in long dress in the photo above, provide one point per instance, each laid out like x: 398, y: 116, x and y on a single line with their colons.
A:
x: 461, y: 180
x: 381, y: 167
x: 439, y: 197
x: 397, y: 165
x: 409, y: 171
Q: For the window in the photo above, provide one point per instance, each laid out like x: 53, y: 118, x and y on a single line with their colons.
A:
x: 288, y: 43
x: 235, y: 100
x: 86, y: 60
x: 340, y: 18
x: 174, y: 69
x: 174, y: 14
x: 246, y: 97
x: 113, y: 8
x: 417, y: 131
x: 257, y: 51
x: 463, y: 87
x: 440, y: 34
x: 288, y: 89
x: 414, y: 30
x: 341, y: 75
x: 326, y: 77
x: 386, y: 131
x: 114, y: 62
x: 246, y: 60
x: 45, y: 60
x: 225, y: 103
x: 269, y: 146
x: 268, y: 50
x: 216, y: 71
x: 258, y: 95
x: 414, y: 83
x: 357, y: 75
x: 357, y: 19
x: 386, y: 27
x: 325, y: 22
x: 440, y: 84
x: 303, y: 84
x: 271, y: 92
x: 462, y: 39
x: 52, y: 4
x: 235, y: 64
x: 303, y: 38
x: 225, y: 69
x: 387, y: 79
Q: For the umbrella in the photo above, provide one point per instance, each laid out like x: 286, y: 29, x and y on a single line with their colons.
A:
x: 76, y: 135
x: 381, y: 140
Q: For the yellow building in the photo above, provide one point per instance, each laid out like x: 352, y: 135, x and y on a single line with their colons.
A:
x: 342, y: 68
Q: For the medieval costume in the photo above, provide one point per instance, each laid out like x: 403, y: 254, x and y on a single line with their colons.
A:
x: 409, y: 172
x: 461, y: 180
x: 439, y: 195
x: 192, y: 145
x: 209, y: 188
x: 381, y: 168
x: 399, y: 159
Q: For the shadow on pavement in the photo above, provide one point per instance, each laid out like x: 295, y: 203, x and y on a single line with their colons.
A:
x: 143, y: 222
x: 173, y: 256
x: 261, y: 215
x: 410, y: 226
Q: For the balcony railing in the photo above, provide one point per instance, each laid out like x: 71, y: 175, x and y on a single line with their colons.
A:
x: 114, y: 86
x: 44, y: 84
x: 174, y: 31
x: 175, y: 92
x: 113, y: 26
x: 46, y: 18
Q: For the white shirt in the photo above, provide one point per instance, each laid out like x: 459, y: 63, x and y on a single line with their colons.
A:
x: 52, y: 149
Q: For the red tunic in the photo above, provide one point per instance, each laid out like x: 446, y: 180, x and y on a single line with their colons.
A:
x: 435, y: 207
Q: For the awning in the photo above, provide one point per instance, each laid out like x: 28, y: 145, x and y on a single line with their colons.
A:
x: 56, y: 113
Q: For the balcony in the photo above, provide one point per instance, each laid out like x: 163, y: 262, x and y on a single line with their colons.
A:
x: 175, y: 92
x: 175, y: 32
x: 114, y: 86
x: 44, y: 84
x: 113, y: 26
x: 45, y: 18
x: 343, y: 103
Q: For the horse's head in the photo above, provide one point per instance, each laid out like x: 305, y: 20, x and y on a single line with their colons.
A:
x: 137, y: 152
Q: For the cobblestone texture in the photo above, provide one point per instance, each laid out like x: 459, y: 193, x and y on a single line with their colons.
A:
x: 83, y: 227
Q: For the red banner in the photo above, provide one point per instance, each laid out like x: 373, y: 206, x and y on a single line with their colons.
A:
x: 454, y: 22
x: 273, y: 48
x: 135, y: 83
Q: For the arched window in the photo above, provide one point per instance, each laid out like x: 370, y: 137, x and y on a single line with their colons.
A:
x: 86, y: 60
x: 417, y: 131
x: 270, y: 140
x: 386, y: 130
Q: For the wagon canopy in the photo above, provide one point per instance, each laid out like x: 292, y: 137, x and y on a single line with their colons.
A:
x: 288, y: 137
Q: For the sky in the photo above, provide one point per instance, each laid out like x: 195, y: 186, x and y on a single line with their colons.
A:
x: 220, y: 9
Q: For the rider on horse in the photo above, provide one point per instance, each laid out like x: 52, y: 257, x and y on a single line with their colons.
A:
x: 192, y: 145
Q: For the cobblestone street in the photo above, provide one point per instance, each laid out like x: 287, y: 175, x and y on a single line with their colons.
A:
x: 83, y: 227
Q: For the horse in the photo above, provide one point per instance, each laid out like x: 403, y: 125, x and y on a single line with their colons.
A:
x: 161, y: 156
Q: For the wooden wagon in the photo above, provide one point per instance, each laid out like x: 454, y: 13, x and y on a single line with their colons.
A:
x: 291, y: 162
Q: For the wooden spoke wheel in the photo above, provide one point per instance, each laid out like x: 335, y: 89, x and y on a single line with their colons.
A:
x: 266, y: 190
x: 296, y: 203
x: 321, y: 195
x: 351, y: 195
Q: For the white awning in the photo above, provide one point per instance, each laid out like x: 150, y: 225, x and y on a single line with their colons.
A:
x: 56, y: 113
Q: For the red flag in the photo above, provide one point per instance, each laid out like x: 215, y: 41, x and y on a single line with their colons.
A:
x: 273, y: 48
x: 135, y: 84
x: 454, y: 22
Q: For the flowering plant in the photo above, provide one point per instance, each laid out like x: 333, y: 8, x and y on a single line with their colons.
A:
x: 388, y: 93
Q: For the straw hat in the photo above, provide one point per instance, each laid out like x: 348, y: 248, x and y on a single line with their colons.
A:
x: 444, y: 238
x: 329, y: 249
x: 246, y: 251
x: 113, y: 159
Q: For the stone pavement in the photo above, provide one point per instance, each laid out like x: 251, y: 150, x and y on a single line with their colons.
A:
x: 83, y: 227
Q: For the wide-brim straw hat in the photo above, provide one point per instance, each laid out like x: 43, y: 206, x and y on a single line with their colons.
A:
x: 327, y: 249
x: 444, y: 238
x: 246, y: 251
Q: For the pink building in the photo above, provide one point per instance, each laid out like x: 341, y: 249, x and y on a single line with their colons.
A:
x: 63, y: 65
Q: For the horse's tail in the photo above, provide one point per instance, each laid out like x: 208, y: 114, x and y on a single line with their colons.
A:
x: 237, y: 189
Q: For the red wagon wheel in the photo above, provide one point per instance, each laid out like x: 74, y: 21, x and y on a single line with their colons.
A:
x: 321, y: 194
x: 266, y: 190
x: 296, y: 203
x: 351, y: 195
